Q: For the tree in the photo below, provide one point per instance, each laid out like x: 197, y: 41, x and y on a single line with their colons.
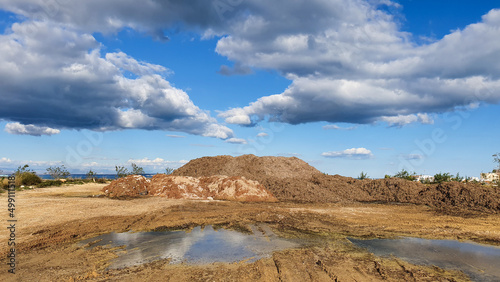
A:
x: 90, y: 175
x: 496, y: 159
x: 169, y: 170
x: 363, y: 176
x: 457, y: 178
x: 137, y: 170
x: 406, y: 175
x: 442, y: 177
x: 121, y: 171
x: 387, y: 176
x: 58, y: 172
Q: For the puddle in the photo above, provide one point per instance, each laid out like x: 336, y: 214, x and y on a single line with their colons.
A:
x: 480, y: 262
x: 200, y: 246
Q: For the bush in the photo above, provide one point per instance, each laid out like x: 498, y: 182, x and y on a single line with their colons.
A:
x: 49, y: 183
x: 363, y: 176
x: 442, y: 177
x: 27, y: 179
x: 4, y: 183
x: 406, y: 175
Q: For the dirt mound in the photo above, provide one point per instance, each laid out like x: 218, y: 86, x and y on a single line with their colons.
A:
x: 288, y: 179
x: 454, y: 195
x: 249, y: 166
x: 215, y: 187
x: 130, y: 186
x: 180, y: 187
x: 291, y: 179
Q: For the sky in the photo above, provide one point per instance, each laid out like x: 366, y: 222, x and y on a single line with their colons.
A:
x: 346, y: 85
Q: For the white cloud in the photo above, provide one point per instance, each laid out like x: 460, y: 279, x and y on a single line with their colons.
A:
x: 236, y: 141
x: 153, y: 165
x: 262, y: 134
x: 348, y: 61
x: 354, y: 153
x: 362, y: 68
x: 336, y: 127
x: 30, y: 129
x: 402, y: 120
x: 413, y: 157
x: 80, y: 89
x: 5, y: 161
x: 175, y: 136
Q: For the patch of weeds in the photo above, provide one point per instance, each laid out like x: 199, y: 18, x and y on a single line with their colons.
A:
x: 49, y: 183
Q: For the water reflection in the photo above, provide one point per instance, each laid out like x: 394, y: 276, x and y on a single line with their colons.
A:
x: 197, y: 247
x: 480, y: 262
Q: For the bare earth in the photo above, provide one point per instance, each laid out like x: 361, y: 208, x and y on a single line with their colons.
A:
x: 52, y: 220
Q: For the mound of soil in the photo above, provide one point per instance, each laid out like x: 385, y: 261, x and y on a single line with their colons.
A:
x: 454, y: 195
x: 291, y: 179
x: 249, y: 166
x: 215, y: 187
x: 130, y: 186
x: 180, y: 187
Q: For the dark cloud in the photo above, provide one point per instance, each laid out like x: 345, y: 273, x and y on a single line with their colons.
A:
x: 55, y: 77
x: 348, y: 59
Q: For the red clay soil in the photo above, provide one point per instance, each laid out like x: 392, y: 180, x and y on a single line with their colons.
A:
x: 291, y: 179
x: 218, y: 187
x: 130, y: 186
x: 181, y: 187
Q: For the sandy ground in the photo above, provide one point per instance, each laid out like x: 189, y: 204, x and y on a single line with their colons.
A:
x: 52, y: 220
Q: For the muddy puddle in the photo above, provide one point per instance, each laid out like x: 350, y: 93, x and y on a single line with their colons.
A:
x: 198, y: 246
x: 479, y: 262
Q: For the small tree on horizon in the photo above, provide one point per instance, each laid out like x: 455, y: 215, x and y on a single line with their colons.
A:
x: 442, y: 177
x: 121, y: 171
x: 137, y: 170
x: 363, y: 176
x: 457, y: 178
x: 496, y: 159
x: 404, y: 174
x: 58, y: 172
x: 169, y: 170
x: 91, y: 174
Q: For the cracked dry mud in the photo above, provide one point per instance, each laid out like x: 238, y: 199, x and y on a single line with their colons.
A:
x: 53, y: 220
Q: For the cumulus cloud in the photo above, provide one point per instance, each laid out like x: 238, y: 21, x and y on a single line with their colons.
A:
x: 30, y: 129
x: 356, y: 66
x: 80, y: 89
x: 262, y: 134
x: 348, y: 60
x: 354, y: 153
x: 236, y: 141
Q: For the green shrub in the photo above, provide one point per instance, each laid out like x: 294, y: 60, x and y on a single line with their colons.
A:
x: 49, y: 183
x: 406, y: 175
x: 27, y: 179
x: 442, y: 177
x: 4, y: 183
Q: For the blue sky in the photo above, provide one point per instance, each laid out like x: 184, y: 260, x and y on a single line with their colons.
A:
x: 348, y: 86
